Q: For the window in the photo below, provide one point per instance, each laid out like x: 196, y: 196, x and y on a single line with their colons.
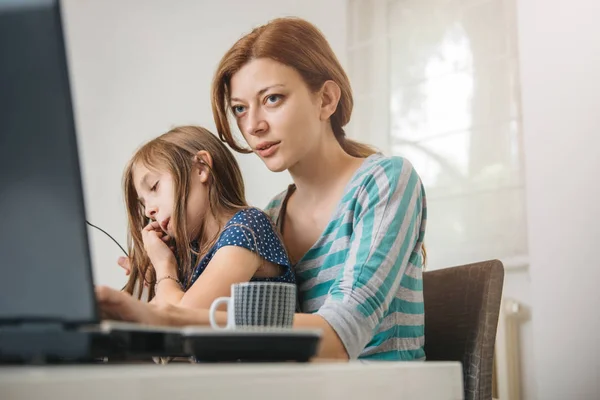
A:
x: 436, y: 81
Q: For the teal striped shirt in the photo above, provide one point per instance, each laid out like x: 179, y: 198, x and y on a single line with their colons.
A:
x: 364, y: 274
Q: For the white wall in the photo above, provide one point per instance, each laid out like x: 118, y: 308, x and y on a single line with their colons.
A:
x: 560, y: 67
x: 141, y: 67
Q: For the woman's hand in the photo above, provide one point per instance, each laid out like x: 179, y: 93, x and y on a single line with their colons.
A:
x: 161, y: 256
x: 120, y: 306
x: 116, y: 305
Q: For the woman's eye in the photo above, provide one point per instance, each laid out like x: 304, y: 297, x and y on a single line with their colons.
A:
x: 153, y: 188
x: 237, y: 109
x: 273, y: 98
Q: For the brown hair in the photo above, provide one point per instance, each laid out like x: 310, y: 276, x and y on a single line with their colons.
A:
x: 296, y: 43
x: 175, y: 153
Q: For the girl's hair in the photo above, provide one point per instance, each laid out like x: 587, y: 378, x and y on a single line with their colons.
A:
x: 175, y: 152
x: 297, y: 44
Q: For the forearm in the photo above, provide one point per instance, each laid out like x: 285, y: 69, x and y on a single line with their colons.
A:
x: 331, y: 347
x: 168, y: 292
x: 121, y: 306
x: 167, y: 289
x: 174, y: 315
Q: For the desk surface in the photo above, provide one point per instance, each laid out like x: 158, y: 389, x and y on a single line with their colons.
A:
x: 309, y: 381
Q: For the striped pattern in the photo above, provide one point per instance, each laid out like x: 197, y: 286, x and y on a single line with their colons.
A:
x: 269, y: 304
x: 364, y: 274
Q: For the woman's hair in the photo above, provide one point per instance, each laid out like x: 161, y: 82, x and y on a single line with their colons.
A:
x: 175, y: 152
x: 297, y: 44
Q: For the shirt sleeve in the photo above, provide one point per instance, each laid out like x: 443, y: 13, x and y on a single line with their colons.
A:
x: 388, y: 231
x: 252, y: 229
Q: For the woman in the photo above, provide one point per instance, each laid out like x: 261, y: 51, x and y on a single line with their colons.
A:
x: 353, y: 222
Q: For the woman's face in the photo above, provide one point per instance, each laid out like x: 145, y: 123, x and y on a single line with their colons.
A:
x: 280, y: 118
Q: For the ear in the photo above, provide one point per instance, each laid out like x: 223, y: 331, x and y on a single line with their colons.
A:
x: 203, y: 162
x: 330, y: 95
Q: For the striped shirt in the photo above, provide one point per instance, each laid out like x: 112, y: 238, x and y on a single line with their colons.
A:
x: 364, y: 273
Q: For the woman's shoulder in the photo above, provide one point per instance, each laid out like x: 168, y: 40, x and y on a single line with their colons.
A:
x: 385, y: 171
x: 381, y: 161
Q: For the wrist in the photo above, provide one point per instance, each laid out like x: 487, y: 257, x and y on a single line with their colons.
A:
x: 162, y: 313
x: 168, y: 278
x: 165, y: 268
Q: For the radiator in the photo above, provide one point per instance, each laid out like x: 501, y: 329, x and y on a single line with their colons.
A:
x: 507, y: 373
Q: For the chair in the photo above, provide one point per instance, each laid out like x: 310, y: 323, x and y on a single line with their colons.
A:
x: 462, y: 305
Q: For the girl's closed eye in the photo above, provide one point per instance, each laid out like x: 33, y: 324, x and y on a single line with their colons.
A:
x: 154, y: 187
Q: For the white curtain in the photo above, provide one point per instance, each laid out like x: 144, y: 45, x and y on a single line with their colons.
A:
x: 436, y: 81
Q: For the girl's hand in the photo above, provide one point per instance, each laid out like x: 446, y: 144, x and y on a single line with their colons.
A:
x: 161, y: 256
x: 125, y: 263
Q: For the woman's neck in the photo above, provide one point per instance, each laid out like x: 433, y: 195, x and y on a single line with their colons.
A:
x: 323, y: 169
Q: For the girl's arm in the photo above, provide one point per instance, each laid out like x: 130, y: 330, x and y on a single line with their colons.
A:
x: 246, y: 245
x: 229, y: 265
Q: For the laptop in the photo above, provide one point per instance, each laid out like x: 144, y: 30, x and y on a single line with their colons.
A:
x: 48, y: 311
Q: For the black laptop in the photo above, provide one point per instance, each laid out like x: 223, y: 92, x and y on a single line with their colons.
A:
x: 48, y: 311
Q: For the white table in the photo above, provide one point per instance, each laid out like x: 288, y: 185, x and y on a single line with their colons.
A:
x: 309, y: 381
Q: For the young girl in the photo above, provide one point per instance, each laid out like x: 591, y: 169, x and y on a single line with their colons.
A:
x: 191, y: 231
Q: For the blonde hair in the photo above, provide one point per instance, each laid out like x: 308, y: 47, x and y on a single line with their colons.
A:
x: 296, y: 43
x: 174, y: 152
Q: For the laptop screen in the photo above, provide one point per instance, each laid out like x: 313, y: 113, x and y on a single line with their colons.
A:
x: 45, y: 268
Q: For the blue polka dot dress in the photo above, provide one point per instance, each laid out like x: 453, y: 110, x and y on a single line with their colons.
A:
x: 252, y: 229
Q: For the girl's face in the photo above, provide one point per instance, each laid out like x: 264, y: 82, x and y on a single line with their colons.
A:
x: 280, y: 118
x: 156, y: 192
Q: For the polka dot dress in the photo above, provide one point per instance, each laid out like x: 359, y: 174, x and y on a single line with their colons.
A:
x: 252, y: 229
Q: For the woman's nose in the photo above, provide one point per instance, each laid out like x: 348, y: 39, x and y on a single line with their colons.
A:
x: 256, y: 124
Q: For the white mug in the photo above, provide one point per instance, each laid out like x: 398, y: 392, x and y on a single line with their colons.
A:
x: 257, y: 304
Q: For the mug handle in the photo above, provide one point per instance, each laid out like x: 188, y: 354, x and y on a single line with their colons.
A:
x: 213, y: 308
